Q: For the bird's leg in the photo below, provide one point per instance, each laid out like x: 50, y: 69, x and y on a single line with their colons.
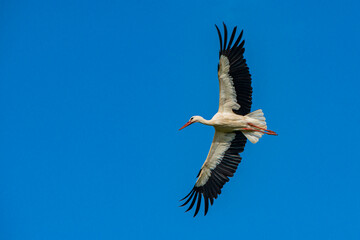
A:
x: 251, y: 129
x: 266, y: 131
x: 253, y: 125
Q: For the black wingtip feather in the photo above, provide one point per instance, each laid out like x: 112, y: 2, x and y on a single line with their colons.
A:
x: 238, y: 39
x: 225, y: 36
x: 231, y: 39
x: 206, y: 202
x: 198, y: 205
x: 188, y: 200
x: 220, y: 38
x: 211, y: 201
x: 187, y: 195
x: 193, y: 202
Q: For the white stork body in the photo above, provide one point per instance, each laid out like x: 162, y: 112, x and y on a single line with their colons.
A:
x: 229, y: 122
x: 233, y: 123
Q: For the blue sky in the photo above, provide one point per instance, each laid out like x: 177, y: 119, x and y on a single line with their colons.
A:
x: 92, y: 94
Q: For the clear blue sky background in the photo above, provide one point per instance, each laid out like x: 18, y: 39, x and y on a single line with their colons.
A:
x: 92, y: 94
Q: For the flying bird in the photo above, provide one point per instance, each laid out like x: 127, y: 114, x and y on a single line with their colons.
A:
x: 233, y: 123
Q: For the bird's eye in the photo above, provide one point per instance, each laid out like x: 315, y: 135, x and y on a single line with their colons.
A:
x: 191, y: 119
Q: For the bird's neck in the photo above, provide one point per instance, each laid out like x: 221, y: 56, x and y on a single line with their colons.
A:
x: 204, y: 121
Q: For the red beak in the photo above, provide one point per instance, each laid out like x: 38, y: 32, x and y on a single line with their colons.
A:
x: 186, y: 124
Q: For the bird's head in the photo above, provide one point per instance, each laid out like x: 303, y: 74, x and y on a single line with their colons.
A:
x: 192, y: 120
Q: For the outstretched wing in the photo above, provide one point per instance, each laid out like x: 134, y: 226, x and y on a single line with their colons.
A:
x: 234, y: 75
x: 221, y: 163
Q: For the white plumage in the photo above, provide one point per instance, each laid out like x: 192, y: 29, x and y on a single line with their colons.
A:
x: 233, y: 123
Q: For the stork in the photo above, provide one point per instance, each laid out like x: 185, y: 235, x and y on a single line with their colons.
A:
x: 233, y: 123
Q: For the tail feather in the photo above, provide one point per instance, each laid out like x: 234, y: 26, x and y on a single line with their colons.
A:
x: 257, y: 118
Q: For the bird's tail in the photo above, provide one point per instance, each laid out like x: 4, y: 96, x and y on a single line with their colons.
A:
x: 256, y: 119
